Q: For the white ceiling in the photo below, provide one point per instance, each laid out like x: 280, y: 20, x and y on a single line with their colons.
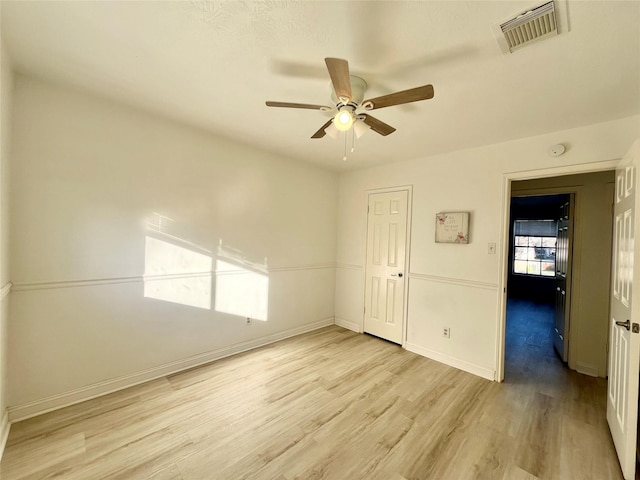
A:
x: 213, y: 64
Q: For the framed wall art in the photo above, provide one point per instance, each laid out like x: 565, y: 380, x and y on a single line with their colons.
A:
x: 452, y: 227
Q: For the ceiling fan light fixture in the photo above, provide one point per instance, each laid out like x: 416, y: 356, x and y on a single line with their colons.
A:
x: 360, y: 128
x: 343, y: 120
x: 332, y: 131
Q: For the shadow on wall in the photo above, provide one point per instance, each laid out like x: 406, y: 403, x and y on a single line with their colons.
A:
x: 181, y: 272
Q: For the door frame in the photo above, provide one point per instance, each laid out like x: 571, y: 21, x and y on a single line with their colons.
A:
x: 507, y: 178
x: 407, y: 254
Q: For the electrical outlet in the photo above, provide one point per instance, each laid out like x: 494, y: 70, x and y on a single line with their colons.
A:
x: 446, y: 332
x: 249, y: 321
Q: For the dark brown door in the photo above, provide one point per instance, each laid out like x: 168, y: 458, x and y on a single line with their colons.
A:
x: 563, y: 279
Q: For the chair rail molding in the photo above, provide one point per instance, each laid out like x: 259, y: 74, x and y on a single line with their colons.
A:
x: 6, y: 290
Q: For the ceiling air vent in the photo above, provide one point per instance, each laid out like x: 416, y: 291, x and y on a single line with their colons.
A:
x: 534, y: 24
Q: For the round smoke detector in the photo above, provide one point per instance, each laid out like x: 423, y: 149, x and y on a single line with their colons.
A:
x: 556, y: 150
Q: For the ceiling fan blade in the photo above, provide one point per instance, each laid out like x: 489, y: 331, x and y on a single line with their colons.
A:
x: 339, y: 73
x: 297, y: 105
x: 321, y: 133
x: 406, y: 96
x: 378, y: 126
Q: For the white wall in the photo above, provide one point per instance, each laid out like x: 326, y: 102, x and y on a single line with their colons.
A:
x: 6, y: 87
x: 457, y: 285
x: 87, y: 177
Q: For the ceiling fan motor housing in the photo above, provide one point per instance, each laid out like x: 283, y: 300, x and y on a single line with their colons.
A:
x: 358, y: 87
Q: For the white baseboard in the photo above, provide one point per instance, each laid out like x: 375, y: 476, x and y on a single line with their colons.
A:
x: 348, y: 324
x: 452, y: 361
x: 5, y: 426
x: 55, y: 402
x: 587, y: 369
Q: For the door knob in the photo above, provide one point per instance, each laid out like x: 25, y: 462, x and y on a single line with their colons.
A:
x: 396, y: 275
x: 626, y: 324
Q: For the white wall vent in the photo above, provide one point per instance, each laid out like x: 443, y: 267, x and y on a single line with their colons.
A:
x: 529, y: 26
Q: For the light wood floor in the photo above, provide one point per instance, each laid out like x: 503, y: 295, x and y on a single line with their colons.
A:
x: 330, y: 404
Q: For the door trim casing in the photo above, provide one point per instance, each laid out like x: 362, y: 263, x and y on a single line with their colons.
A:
x: 507, y: 178
x: 407, y: 255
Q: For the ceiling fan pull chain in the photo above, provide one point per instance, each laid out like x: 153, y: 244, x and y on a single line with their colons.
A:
x: 344, y: 159
x: 353, y: 140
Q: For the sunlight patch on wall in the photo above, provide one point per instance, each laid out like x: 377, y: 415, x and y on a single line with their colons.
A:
x: 176, y: 274
x: 241, y: 291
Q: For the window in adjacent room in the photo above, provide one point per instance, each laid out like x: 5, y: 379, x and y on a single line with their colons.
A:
x: 535, y: 247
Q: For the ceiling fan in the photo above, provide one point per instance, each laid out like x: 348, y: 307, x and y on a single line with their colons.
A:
x: 350, y: 108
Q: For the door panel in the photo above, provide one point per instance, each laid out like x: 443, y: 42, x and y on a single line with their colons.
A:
x: 385, y: 280
x: 624, y: 341
x: 563, y: 278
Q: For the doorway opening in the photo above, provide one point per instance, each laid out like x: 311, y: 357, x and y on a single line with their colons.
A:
x: 539, y: 260
x: 581, y: 337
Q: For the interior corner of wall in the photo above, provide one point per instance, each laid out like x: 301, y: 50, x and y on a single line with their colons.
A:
x: 348, y: 324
